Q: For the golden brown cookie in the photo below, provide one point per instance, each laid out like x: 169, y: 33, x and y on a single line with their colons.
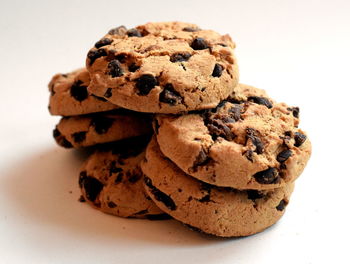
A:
x: 163, y: 67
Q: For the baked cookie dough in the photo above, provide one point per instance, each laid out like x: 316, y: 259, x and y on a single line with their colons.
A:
x: 88, y: 130
x: 70, y: 97
x: 111, y: 181
x: 247, y: 142
x: 219, y: 211
x: 163, y: 67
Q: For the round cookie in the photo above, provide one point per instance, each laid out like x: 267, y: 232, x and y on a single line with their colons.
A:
x: 69, y: 95
x: 111, y: 181
x: 163, y: 67
x: 247, y: 142
x: 219, y: 211
x: 88, y: 130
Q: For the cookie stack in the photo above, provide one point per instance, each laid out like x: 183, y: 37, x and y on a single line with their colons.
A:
x: 222, y: 157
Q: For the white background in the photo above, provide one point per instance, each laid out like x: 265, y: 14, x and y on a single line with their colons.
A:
x: 297, y: 50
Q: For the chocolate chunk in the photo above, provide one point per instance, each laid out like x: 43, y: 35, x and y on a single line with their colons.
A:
x: 217, y: 70
x: 113, y: 168
x: 217, y: 128
x: 249, y: 155
x: 268, y: 176
x: 95, y: 54
x: 191, y: 29
x: 284, y: 155
x: 158, y: 217
x: 78, y: 91
x: 65, y: 143
x: 122, y: 57
x: 261, y: 101
x: 133, y: 32
x: 169, y: 95
x: 115, y: 69
x: 159, y: 195
x: 108, y: 93
x: 82, y: 176
x: 133, y: 67
x: 283, y: 203
x: 180, y: 57
x: 111, y: 205
x: 254, y: 195
x: 121, y: 31
x: 199, y: 44
x: 235, y: 112
x: 119, y: 178
x: 295, y: 111
x: 299, y: 139
x: 252, y: 134
x: 146, y: 83
x: 79, y: 137
x: 56, y: 133
x: 101, y: 124
x: 201, y: 158
x: 135, y: 178
x: 92, y: 188
x: 103, y: 42
x: 205, y: 199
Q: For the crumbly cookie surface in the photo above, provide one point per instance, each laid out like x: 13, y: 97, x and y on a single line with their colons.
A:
x: 214, y: 210
x: 247, y: 142
x: 163, y: 67
x: 69, y: 95
x: 88, y: 130
x: 111, y: 181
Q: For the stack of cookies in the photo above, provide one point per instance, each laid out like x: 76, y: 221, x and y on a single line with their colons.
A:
x: 175, y: 134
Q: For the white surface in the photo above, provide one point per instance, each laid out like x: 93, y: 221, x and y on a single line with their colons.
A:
x: 297, y: 50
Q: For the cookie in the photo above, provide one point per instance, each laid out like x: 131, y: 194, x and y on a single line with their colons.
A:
x: 88, y: 130
x: 69, y: 95
x: 111, y: 180
x: 219, y: 211
x: 163, y: 67
x: 247, y: 142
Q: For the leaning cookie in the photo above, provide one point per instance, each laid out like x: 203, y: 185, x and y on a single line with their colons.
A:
x: 111, y: 180
x: 219, y: 211
x: 88, y: 130
x: 69, y: 95
x: 163, y: 67
x: 247, y: 142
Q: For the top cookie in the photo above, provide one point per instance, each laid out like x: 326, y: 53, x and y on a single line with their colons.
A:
x: 69, y: 95
x: 163, y: 67
x: 247, y: 142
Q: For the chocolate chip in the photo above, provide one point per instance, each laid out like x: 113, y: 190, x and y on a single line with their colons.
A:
x: 295, y: 111
x: 283, y: 203
x: 158, y: 217
x: 205, y: 199
x: 95, y: 54
x: 103, y: 42
x: 284, y: 155
x: 115, y: 69
x: 92, y: 188
x: 201, y: 159
x: 101, y: 124
x: 217, y: 128
x: 268, y: 176
x: 135, y: 178
x: 191, y: 29
x: 56, y: 133
x: 260, y: 100
x: 133, y: 32
x: 65, y: 143
x: 121, y: 31
x: 299, y: 139
x: 113, y: 168
x: 133, y: 67
x: 254, y: 195
x: 180, y: 57
x: 78, y: 91
x: 111, y: 205
x: 249, y: 155
x: 169, y: 95
x: 79, y: 137
x: 159, y: 195
x: 146, y: 83
x: 235, y: 112
x: 252, y: 134
x: 82, y: 176
x: 108, y: 93
x: 119, y: 178
x: 199, y: 44
x: 217, y: 70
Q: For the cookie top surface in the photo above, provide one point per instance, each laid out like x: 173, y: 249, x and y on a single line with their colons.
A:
x: 163, y: 67
x: 92, y: 129
x: 111, y: 180
x: 69, y: 95
x: 219, y: 211
x: 247, y: 142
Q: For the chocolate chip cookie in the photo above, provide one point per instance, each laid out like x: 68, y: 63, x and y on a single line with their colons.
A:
x: 163, y: 67
x: 214, y: 210
x: 88, y: 130
x: 111, y: 180
x: 69, y: 95
x: 247, y: 142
